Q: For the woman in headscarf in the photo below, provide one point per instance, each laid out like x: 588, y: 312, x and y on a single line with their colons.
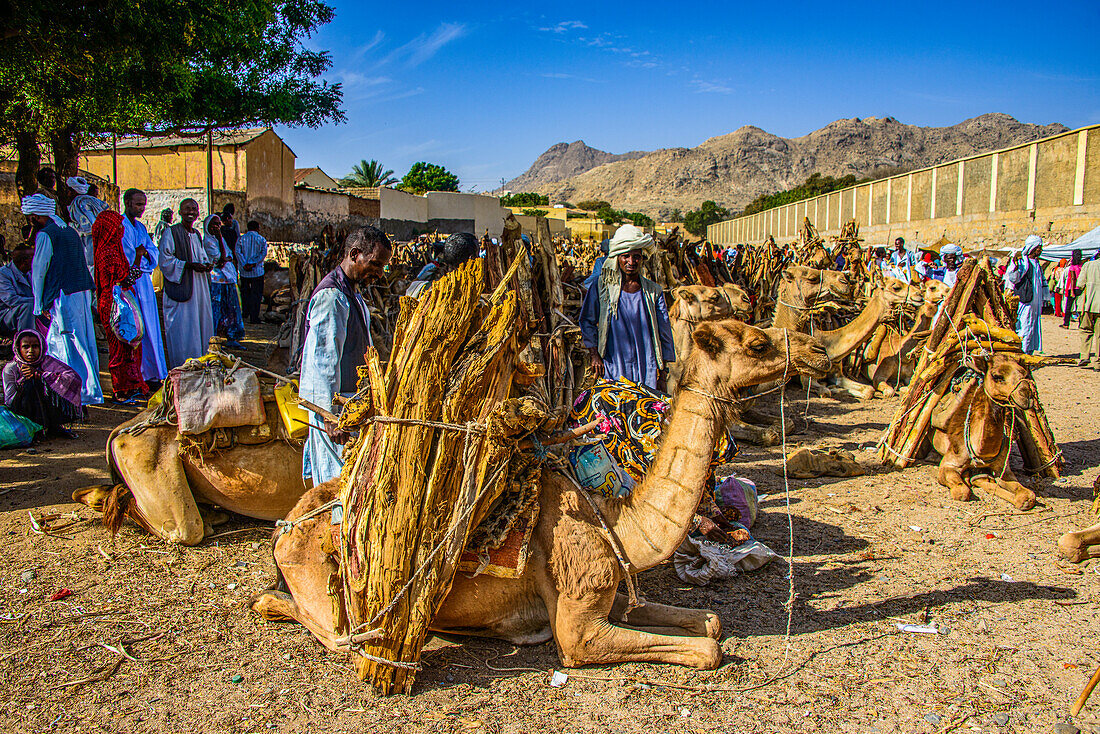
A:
x: 624, y: 320
x: 224, y: 299
x: 112, y: 269
x: 1025, y: 275
x: 1072, y: 290
x: 40, y: 387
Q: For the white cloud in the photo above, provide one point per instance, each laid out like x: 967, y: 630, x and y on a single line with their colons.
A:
x: 564, y: 26
x: 705, y: 87
x: 425, y: 46
x: 379, y: 36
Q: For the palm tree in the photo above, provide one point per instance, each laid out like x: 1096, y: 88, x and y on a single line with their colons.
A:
x: 369, y: 174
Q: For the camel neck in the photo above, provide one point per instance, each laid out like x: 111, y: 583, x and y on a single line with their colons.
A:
x: 839, y: 343
x: 654, y: 520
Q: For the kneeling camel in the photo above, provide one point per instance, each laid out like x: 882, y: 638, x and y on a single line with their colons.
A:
x: 568, y: 591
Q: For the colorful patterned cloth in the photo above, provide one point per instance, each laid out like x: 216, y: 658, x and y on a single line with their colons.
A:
x: 634, y: 417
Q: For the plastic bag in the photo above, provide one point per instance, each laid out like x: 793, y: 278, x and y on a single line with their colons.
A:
x: 699, y: 561
x: 597, y: 472
x: 16, y: 432
x: 126, y: 320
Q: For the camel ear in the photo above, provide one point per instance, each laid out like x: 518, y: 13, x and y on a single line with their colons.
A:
x: 679, y: 292
x: 706, y: 339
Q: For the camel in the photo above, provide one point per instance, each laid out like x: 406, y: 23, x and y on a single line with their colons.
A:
x: 886, y: 300
x: 968, y: 429
x: 696, y: 303
x: 568, y: 591
x: 887, y: 363
x: 160, y: 488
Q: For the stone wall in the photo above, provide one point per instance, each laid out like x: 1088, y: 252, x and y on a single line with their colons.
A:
x: 1050, y: 187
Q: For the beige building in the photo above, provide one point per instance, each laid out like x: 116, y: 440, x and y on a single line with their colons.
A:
x: 1050, y: 187
x: 315, y: 178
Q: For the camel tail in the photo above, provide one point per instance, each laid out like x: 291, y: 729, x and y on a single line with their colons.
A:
x: 115, y: 506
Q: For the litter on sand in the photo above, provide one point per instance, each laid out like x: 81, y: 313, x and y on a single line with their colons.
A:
x: 925, y: 629
x: 558, y: 679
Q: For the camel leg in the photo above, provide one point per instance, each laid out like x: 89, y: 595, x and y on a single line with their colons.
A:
x: 279, y: 606
x: 1007, y: 489
x: 584, y: 636
x: 667, y: 619
x: 952, y: 478
x: 1075, y: 546
x: 854, y: 388
x: 756, y: 435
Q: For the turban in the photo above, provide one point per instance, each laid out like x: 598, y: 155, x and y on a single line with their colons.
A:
x: 1032, y: 243
x: 77, y: 184
x: 628, y: 237
x: 39, y: 204
x: 951, y: 250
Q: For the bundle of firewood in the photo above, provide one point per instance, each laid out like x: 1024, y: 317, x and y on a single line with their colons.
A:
x: 974, y: 319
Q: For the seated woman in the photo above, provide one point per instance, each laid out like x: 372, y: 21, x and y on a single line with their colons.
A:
x: 40, y: 387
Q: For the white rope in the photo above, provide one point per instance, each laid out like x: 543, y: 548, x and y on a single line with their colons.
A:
x: 787, y: 492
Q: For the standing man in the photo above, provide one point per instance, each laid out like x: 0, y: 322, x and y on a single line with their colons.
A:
x: 231, y: 228
x: 903, y: 261
x: 83, y: 210
x: 142, y: 254
x: 337, y: 333
x: 1025, y: 275
x: 186, y: 265
x: 1089, y: 306
x: 165, y: 221
x: 952, y: 259
x: 63, y: 294
x: 16, y: 294
x: 251, y: 253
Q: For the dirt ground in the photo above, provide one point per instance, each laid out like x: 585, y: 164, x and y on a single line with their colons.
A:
x: 157, y: 638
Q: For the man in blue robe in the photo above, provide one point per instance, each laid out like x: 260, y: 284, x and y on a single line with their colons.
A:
x: 337, y: 334
x: 1024, y: 267
x: 16, y: 293
x: 141, y: 253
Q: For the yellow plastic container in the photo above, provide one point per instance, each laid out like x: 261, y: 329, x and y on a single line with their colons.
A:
x: 295, y: 418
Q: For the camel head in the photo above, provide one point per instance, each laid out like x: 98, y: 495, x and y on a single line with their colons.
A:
x: 730, y: 355
x: 698, y: 302
x: 805, y: 286
x: 739, y: 301
x: 898, y: 295
x: 1007, y: 380
x: 935, y: 292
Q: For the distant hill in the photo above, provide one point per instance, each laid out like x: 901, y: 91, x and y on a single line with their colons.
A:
x: 562, y: 161
x: 735, y: 168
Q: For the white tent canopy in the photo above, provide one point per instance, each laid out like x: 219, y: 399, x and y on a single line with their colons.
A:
x: 1087, y: 243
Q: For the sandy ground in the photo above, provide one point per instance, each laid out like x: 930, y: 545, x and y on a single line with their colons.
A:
x: 1017, y: 641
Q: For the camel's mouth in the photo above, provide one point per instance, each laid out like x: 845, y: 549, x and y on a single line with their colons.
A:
x: 817, y: 366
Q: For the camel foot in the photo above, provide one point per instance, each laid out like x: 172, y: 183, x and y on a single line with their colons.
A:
x: 1071, y: 547
x: 1024, y: 500
x: 275, y: 606
x: 93, y: 497
x: 962, y: 493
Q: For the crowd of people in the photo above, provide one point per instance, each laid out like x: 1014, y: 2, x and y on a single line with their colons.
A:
x: 85, y: 265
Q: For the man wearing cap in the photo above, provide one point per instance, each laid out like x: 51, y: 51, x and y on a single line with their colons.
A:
x: 1022, y: 270
x: 624, y: 320
x: 63, y: 294
x: 83, y: 210
x: 1089, y: 306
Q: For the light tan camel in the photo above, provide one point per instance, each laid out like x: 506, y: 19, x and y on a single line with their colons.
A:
x: 887, y: 299
x: 887, y: 361
x: 693, y: 304
x: 970, y: 431
x: 568, y: 590
x: 160, y: 489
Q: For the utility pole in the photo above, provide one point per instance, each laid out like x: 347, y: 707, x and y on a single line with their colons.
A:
x: 209, y: 172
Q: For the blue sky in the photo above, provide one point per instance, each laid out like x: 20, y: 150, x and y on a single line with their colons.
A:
x: 483, y: 90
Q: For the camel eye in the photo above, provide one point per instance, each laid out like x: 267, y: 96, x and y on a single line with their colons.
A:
x: 998, y: 378
x: 759, y: 347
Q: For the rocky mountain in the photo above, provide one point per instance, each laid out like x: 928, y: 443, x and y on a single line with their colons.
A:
x: 562, y: 161
x: 734, y: 169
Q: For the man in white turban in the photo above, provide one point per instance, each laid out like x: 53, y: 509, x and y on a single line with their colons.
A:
x: 624, y: 319
x: 1025, y: 275
x: 83, y: 210
x: 952, y: 257
x: 63, y: 294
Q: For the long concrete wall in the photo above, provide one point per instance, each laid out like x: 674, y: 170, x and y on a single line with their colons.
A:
x: 1050, y: 187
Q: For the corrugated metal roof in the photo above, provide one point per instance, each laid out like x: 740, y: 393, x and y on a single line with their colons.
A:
x: 221, y: 138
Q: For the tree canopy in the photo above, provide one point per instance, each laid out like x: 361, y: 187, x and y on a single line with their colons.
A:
x: 369, y: 174
x: 69, y: 68
x: 593, y: 205
x: 424, y: 177
x: 709, y: 213
x: 524, y: 198
x: 815, y: 185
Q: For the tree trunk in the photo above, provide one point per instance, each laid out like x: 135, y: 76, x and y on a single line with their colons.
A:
x: 65, y: 143
x: 30, y: 158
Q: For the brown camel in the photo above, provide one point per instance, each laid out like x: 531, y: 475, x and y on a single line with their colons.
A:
x: 568, y: 591
x: 693, y: 304
x: 160, y: 488
x: 970, y: 427
x: 888, y: 298
x: 1078, y: 547
x: 888, y: 363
